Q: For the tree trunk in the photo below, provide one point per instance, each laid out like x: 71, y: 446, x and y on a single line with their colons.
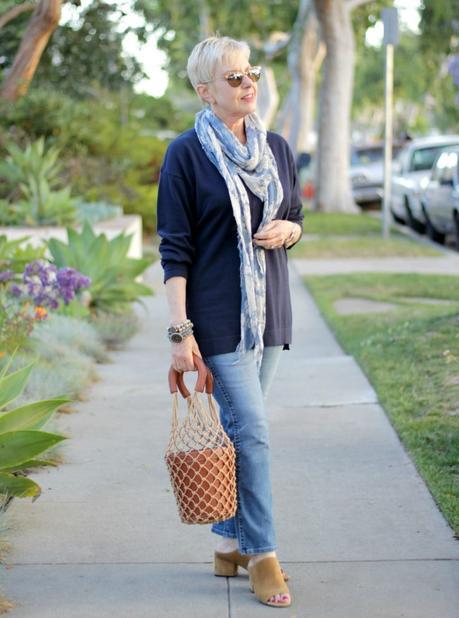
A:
x: 305, y: 55
x: 284, y: 116
x: 43, y: 22
x: 333, y: 189
x: 267, y: 97
x: 204, y: 20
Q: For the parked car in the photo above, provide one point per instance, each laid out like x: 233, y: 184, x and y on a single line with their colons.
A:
x: 411, y: 172
x: 367, y: 172
x: 440, y: 199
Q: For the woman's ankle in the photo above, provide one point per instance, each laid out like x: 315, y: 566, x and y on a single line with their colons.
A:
x: 256, y: 557
x: 226, y: 545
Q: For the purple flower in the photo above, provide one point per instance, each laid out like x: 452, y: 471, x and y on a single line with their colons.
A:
x: 6, y: 275
x: 45, y: 285
x: 39, y: 271
x: 70, y: 281
x: 15, y: 290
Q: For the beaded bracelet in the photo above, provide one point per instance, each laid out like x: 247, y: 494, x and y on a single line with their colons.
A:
x: 177, y: 332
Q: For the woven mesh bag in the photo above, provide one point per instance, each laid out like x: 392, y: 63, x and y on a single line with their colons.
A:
x: 200, y: 456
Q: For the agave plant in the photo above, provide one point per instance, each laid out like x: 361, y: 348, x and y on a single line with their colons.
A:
x: 14, y: 257
x: 21, y: 437
x: 105, y: 261
x: 36, y: 173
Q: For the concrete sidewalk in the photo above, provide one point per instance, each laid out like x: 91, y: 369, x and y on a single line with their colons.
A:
x: 358, y: 530
x: 443, y: 265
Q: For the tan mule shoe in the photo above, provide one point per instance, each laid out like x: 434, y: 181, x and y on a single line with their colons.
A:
x: 226, y: 564
x: 266, y: 580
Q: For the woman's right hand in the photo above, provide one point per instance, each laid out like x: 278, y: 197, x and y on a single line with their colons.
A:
x: 182, y: 354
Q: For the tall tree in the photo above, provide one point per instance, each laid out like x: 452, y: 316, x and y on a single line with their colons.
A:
x: 333, y: 190
x: 305, y: 55
x: 87, y: 53
x: 440, y: 45
x: 256, y: 21
x: 43, y: 22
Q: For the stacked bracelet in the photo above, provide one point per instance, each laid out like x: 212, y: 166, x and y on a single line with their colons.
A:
x: 177, y: 332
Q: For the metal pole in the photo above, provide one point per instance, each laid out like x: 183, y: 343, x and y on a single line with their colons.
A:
x: 388, y: 95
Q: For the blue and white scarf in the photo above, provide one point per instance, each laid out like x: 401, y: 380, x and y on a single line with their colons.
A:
x: 254, y: 164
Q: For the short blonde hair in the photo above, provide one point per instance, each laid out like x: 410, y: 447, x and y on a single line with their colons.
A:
x: 210, y: 52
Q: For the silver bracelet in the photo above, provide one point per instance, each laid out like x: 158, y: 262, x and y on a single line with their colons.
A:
x: 176, y: 333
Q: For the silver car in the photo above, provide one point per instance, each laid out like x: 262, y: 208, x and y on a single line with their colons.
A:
x: 411, y: 173
x: 440, y: 199
x: 367, y: 172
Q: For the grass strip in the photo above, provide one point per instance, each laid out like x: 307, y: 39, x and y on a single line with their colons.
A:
x: 343, y: 224
x: 411, y: 357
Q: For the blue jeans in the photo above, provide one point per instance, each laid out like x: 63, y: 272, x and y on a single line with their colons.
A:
x: 240, y: 392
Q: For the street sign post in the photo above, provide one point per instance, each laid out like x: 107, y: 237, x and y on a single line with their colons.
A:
x: 390, y: 21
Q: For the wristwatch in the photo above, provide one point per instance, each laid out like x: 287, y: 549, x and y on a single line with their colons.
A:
x: 177, y: 332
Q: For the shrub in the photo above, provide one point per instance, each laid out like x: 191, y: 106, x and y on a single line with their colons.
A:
x: 21, y: 438
x: 96, y: 211
x: 113, y: 274
x: 137, y: 199
x: 32, y: 174
x: 115, y: 328
x: 101, y: 160
x: 59, y: 369
x: 60, y: 330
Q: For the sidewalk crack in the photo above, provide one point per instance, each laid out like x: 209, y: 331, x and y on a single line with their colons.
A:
x: 228, y: 593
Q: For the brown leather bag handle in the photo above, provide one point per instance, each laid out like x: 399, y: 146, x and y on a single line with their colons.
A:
x: 204, y: 381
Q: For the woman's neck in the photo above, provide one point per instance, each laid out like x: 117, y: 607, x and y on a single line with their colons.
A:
x: 235, y: 126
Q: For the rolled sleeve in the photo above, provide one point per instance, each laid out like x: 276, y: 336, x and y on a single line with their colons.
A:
x: 175, y: 225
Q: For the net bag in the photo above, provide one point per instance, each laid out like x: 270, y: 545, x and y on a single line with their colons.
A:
x: 200, y: 457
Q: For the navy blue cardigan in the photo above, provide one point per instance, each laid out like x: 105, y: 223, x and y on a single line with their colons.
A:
x: 199, y: 242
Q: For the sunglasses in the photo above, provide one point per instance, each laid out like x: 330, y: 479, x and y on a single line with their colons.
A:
x: 235, y: 78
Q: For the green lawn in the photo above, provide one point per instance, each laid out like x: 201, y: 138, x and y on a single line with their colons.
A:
x: 341, y: 224
x: 411, y: 357
x: 341, y: 235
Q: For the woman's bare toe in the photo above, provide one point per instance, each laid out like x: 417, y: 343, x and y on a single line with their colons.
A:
x: 280, y: 598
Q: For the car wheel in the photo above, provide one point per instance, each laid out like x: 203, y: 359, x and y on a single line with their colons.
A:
x: 413, y: 223
x: 433, y: 233
x: 456, y: 228
x: 396, y: 217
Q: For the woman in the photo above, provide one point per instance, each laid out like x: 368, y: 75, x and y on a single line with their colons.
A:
x: 228, y: 207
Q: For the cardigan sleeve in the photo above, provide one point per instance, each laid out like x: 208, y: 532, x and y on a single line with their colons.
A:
x: 175, y: 225
x: 295, y: 212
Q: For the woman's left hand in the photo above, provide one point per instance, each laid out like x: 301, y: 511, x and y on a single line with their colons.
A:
x: 274, y: 234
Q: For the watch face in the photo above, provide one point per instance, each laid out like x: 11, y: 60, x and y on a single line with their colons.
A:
x: 176, y: 338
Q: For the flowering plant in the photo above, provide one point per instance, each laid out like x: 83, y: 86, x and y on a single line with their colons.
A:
x: 46, y: 285
x: 22, y: 303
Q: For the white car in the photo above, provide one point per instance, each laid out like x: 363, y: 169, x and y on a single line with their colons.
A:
x: 411, y: 173
x: 440, y: 199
